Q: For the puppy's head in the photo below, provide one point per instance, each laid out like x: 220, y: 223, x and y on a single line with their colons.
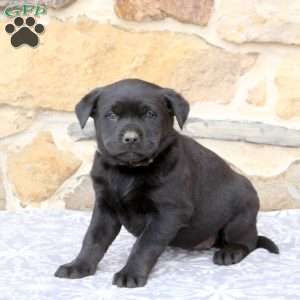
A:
x: 133, y: 119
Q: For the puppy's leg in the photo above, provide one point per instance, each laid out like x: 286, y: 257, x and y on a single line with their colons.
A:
x: 239, y: 238
x: 102, y: 230
x: 146, y: 250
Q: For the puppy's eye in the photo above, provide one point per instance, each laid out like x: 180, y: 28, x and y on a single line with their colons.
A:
x: 150, y: 114
x: 111, y: 115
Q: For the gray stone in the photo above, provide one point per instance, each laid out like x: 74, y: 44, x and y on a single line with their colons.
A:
x: 245, y: 131
x: 78, y: 134
x: 82, y: 197
x: 4, y: 3
x: 57, y: 3
x: 228, y: 130
x: 14, y: 120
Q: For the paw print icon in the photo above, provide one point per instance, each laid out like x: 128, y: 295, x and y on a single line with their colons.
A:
x: 24, y: 32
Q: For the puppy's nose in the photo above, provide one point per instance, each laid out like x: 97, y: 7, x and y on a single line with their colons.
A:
x: 130, y: 137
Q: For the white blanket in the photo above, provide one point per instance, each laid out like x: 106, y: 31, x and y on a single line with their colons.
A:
x: 34, y: 243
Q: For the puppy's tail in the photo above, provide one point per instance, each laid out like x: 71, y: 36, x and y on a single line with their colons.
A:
x: 266, y: 243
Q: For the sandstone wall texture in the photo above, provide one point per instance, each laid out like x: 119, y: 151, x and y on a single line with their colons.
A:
x: 236, y: 62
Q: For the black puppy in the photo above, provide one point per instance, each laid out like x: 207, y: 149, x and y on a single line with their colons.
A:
x: 165, y: 188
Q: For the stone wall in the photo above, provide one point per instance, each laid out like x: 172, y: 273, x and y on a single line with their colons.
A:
x: 237, y: 63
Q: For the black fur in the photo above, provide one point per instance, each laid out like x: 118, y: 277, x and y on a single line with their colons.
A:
x: 165, y: 188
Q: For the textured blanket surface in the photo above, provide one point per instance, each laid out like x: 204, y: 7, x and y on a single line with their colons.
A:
x: 34, y: 243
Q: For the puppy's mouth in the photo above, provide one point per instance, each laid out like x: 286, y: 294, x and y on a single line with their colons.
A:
x: 133, y: 159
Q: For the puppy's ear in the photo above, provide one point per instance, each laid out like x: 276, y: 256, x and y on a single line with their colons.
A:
x: 178, y: 106
x: 85, y: 107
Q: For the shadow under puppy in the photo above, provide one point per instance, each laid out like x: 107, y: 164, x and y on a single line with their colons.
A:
x: 165, y: 188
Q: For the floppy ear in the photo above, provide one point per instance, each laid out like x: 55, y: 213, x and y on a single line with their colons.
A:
x: 178, y: 105
x: 85, y: 107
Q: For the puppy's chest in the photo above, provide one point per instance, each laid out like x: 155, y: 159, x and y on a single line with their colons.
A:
x: 130, y: 197
x: 125, y: 188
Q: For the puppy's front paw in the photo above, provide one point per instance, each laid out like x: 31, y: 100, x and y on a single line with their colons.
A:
x: 74, y: 270
x: 128, y: 279
x: 230, y: 255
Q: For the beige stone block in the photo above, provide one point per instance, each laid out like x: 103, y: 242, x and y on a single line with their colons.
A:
x: 271, y: 21
x: 65, y: 67
x: 280, y: 192
x: 288, y: 82
x: 40, y: 168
